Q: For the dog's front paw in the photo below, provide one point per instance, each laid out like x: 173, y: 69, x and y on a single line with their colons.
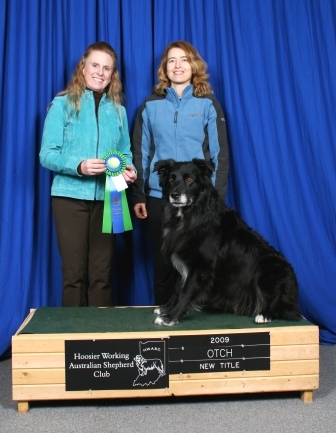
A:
x: 259, y: 318
x: 165, y: 321
x: 157, y: 311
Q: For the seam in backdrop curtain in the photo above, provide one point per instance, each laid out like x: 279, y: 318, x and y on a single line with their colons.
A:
x: 272, y: 65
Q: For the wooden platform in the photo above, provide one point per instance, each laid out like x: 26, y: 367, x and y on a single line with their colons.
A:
x: 49, y: 366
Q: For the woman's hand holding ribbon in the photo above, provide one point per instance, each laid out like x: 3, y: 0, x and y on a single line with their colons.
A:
x: 92, y: 167
x: 129, y: 174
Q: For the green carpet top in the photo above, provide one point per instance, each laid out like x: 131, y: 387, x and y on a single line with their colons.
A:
x: 58, y: 320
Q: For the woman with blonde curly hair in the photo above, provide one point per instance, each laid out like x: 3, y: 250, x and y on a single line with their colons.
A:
x: 85, y: 121
x: 199, y: 77
x: 181, y: 120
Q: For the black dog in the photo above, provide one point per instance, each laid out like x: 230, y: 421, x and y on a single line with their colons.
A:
x: 223, y: 263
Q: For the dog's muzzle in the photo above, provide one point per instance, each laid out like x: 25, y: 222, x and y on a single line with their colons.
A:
x: 179, y: 200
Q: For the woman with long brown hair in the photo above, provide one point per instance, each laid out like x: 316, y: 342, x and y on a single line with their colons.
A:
x: 181, y: 120
x: 85, y: 121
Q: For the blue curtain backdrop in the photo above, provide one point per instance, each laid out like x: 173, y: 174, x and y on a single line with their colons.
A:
x: 272, y: 65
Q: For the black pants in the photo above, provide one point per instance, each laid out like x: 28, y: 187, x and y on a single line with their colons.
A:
x: 165, y: 274
x: 86, y: 252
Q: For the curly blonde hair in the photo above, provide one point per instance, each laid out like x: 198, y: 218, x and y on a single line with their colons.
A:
x: 77, y: 85
x: 199, y: 77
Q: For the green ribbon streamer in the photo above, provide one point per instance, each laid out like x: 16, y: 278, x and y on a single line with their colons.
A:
x: 107, y: 216
x: 126, y: 213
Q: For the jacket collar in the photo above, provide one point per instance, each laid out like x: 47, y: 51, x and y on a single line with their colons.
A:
x: 89, y: 93
x: 172, y: 95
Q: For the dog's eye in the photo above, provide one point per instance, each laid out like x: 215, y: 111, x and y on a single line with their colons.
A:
x: 189, y: 180
x: 170, y: 180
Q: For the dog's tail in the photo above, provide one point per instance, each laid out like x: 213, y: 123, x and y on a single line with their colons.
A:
x: 278, y: 288
x: 291, y: 312
x: 288, y: 307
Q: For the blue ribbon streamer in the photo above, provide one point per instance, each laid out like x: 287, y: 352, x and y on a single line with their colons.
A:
x: 116, y: 207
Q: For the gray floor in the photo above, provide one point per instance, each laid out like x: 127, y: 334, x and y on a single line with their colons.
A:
x: 257, y: 413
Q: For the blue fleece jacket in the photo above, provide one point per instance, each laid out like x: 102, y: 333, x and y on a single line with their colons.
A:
x: 181, y: 129
x: 69, y: 140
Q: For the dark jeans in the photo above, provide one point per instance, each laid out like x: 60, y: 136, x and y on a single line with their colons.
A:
x: 165, y: 274
x: 86, y: 252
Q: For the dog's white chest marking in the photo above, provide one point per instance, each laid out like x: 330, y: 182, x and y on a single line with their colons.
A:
x: 180, y: 213
x: 165, y: 232
x: 180, y: 266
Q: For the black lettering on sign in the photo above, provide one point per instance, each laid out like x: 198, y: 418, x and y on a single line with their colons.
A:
x: 219, y: 352
x: 116, y: 364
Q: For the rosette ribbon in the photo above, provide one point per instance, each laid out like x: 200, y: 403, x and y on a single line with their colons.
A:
x: 116, y: 216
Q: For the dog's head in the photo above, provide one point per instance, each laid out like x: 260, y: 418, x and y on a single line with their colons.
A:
x: 183, y: 182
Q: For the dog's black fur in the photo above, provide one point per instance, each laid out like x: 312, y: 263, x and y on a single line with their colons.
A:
x: 223, y: 263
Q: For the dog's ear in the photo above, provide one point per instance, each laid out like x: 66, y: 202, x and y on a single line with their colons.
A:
x: 163, y: 167
x: 206, y: 167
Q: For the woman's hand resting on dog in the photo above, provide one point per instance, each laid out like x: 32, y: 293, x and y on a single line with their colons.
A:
x: 140, y: 210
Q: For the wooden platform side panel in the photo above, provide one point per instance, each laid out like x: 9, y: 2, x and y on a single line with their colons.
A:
x: 56, y: 359
x: 55, y: 342
x: 176, y: 388
x: 38, y: 367
x: 48, y: 375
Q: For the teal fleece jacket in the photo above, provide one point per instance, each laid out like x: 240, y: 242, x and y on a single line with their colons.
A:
x: 67, y: 141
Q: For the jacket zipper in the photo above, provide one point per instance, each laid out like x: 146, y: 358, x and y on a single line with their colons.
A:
x: 175, y: 121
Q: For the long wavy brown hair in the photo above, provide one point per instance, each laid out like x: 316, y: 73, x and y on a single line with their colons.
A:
x: 199, y: 77
x: 76, y: 86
